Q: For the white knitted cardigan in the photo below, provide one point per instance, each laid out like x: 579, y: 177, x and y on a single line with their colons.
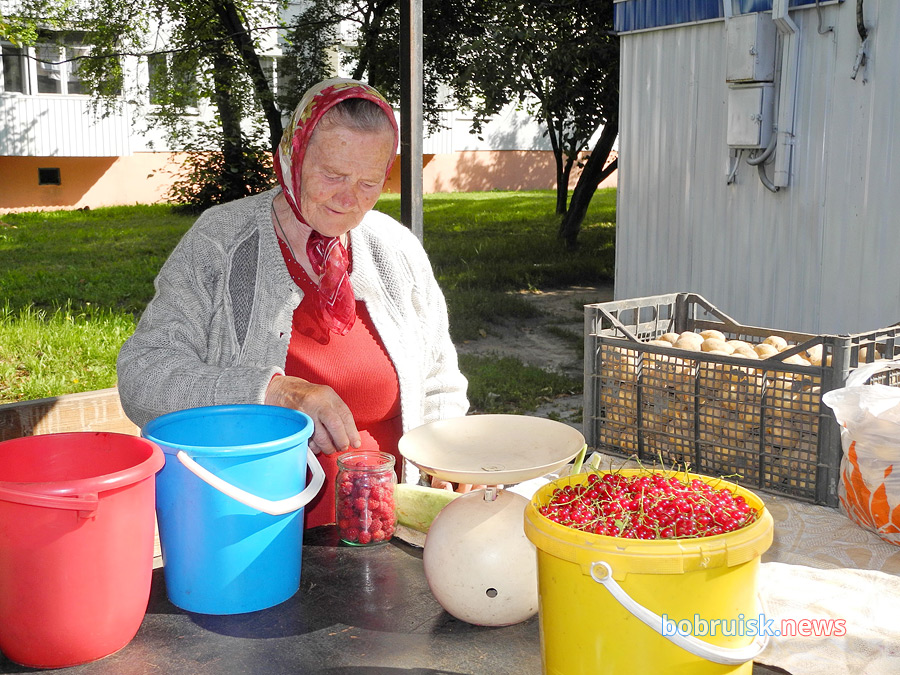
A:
x: 218, y: 327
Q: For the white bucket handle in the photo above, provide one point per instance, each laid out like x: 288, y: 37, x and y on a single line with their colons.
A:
x: 273, y: 508
x: 727, y: 656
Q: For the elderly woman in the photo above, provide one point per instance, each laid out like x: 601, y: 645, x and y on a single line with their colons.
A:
x: 305, y: 297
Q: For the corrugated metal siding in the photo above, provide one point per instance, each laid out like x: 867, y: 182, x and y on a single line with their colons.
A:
x: 819, y: 256
x: 61, y: 126
x: 510, y: 129
x: 862, y: 182
x: 440, y: 141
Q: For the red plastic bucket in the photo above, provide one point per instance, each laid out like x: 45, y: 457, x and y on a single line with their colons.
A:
x: 76, y: 544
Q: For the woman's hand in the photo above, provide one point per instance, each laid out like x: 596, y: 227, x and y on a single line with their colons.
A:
x: 334, y: 427
x: 462, y: 488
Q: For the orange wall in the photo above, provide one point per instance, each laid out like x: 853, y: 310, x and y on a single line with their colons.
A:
x: 476, y: 171
x: 143, y: 178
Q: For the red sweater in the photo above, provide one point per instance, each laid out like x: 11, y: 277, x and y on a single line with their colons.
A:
x: 359, y: 370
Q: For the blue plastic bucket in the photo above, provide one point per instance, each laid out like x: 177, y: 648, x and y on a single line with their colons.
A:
x: 229, y: 502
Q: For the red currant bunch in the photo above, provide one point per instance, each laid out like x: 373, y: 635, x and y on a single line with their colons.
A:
x: 365, y: 507
x: 648, y: 506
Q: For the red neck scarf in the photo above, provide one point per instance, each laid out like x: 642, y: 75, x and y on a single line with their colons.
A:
x: 328, y: 257
x: 331, y: 261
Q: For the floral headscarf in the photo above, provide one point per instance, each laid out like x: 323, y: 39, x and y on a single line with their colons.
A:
x: 326, y: 254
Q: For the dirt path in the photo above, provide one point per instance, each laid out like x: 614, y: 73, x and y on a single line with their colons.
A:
x: 534, y: 342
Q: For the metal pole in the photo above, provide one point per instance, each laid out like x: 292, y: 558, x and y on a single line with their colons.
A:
x: 411, y: 88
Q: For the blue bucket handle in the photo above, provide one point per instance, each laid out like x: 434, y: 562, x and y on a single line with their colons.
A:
x: 273, y: 508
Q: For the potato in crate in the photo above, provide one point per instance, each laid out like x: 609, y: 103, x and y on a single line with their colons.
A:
x: 672, y: 378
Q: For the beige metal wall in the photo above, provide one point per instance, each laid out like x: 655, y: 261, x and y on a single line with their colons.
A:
x: 819, y: 256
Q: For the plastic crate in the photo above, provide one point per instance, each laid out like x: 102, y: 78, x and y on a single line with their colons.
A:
x: 759, y: 422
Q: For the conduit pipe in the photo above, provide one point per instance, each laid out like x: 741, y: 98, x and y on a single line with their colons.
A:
x: 790, y: 56
x: 761, y: 157
x: 864, y: 46
x: 728, y: 14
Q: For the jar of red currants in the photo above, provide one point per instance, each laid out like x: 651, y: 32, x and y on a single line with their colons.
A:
x: 364, y: 497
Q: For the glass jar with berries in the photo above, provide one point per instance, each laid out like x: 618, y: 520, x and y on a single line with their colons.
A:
x: 364, y: 497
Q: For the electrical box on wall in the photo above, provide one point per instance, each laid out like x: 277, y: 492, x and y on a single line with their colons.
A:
x: 750, y: 48
x: 750, y: 112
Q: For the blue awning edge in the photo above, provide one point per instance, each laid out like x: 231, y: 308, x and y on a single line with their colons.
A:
x: 634, y: 15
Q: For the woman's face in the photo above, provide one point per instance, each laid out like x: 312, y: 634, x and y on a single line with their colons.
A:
x: 343, y: 175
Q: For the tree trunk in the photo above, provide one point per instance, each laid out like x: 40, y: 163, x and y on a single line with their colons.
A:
x: 231, y: 20
x: 232, y: 178
x: 373, y: 33
x: 562, y: 191
x: 562, y: 186
x: 562, y: 179
x: 593, y: 174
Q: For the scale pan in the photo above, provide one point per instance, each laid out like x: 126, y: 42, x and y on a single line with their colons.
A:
x: 491, y: 449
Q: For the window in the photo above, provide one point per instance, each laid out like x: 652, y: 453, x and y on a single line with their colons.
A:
x: 49, y: 69
x: 14, y: 70
x: 74, y: 84
x: 286, y: 82
x: 273, y: 68
x: 47, y: 176
x: 57, y: 68
x: 267, y: 63
x: 173, y: 79
x: 157, y: 71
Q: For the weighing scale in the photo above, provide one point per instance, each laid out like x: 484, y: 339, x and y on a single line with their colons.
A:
x: 479, y: 565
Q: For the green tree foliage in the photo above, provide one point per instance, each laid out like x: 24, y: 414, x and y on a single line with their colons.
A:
x: 557, y: 60
x: 308, y: 54
x: 213, y: 56
x: 18, y: 30
x: 201, y: 180
x: 197, y: 51
x: 372, y: 50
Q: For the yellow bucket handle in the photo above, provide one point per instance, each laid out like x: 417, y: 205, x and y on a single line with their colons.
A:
x: 725, y: 655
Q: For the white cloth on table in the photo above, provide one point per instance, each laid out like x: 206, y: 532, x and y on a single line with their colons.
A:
x: 867, y: 602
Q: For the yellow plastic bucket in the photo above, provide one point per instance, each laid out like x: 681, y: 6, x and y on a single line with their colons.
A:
x: 616, y: 605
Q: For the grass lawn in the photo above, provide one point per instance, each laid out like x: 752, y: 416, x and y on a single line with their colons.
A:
x: 73, y: 282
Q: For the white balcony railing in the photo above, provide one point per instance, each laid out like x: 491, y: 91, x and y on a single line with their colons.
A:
x: 61, y: 126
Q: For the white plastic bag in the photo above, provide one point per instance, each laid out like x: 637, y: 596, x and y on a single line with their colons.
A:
x: 869, y: 416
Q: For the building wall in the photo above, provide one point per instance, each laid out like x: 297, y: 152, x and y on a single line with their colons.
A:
x: 476, y: 171
x: 511, y: 153
x: 143, y: 178
x: 115, y: 156
x: 817, y: 256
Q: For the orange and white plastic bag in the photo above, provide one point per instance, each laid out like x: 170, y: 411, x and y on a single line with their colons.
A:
x: 869, y: 416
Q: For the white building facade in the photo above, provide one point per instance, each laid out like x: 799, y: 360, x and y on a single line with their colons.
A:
x: 58, y: 150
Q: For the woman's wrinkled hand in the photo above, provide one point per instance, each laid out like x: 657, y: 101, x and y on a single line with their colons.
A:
x: 334, y: 427
x: 462, y: 488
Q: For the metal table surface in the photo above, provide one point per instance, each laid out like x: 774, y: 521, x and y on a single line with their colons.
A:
x: 358, y: 610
